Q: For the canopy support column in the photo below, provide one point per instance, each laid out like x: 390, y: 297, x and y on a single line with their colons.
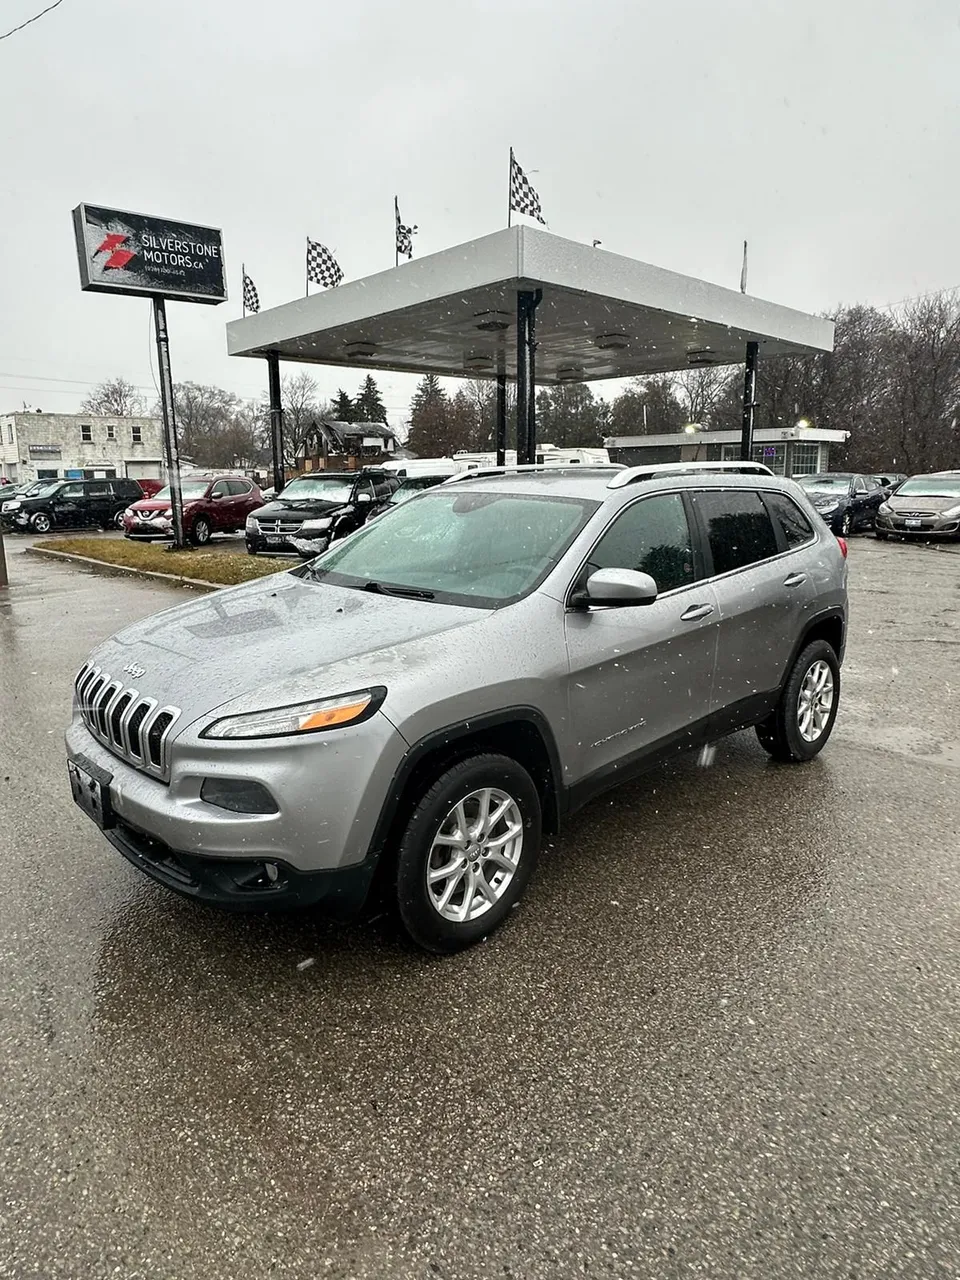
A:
x: 527, y: 302
x: 501, y: 438
x: 276, y: 419
x: 749, y: 401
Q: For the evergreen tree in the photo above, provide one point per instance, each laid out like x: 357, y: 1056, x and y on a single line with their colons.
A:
x: 369, y: 406
x: 430, y: 434
x: 342, y: 408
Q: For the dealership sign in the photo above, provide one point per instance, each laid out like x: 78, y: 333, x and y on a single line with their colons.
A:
x: 148, y: 257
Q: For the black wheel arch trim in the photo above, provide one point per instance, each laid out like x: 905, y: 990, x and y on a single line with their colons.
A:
x: 440, y: 741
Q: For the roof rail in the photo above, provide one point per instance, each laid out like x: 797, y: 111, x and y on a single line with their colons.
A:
x: 632, y: 475
x: 512, y: 468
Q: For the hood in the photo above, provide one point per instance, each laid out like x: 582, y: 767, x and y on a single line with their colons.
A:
x: 276, y: 640
x: 300, y: 510
x: 151, y: 504
x: 923, y: 502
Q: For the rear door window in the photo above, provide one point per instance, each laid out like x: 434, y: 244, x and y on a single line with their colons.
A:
x: 238, y: 487
x: 793, y: 523
x: 737, y: 527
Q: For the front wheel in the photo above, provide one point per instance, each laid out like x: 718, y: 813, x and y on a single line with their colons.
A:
x: 881, y: 535
x: 200, y: 533
x: 467, y: 853
x: 40, y: 522
x: 801, y: 724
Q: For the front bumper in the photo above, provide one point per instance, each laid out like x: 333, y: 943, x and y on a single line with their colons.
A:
x: 259, y: 544
x: 148, y: 528
x: 329, y: 790
x: 244, y: 884
x: 919, y: 526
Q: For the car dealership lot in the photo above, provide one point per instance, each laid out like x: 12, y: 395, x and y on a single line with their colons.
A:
x: 718, y: 1038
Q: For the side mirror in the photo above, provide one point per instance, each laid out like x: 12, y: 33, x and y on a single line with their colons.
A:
x: 363, y: 498
x: 617, y: 588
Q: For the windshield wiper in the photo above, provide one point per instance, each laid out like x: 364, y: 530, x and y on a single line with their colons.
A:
x: 409, y: 593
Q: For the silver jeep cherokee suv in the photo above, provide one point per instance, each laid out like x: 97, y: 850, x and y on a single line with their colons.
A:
x: 439, y: 689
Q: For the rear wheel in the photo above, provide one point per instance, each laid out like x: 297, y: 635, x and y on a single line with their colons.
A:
x: 467, y: 852
x: 118, y: 520
x: 803, y: 721
x: 40, y: 522
x: 200, y: 533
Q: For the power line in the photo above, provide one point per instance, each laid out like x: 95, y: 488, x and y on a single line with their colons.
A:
x: 13, y: 30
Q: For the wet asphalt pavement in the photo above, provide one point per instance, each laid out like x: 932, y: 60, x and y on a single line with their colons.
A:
x: 719, y: 1038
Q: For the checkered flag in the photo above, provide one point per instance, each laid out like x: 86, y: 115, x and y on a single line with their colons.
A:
x: 523, y: 198
x: 322, y: 266
x: 404, y: 234
x: 251, y: 299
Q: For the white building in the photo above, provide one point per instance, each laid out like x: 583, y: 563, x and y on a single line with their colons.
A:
x: 79, y: 446
x: 787, y: 451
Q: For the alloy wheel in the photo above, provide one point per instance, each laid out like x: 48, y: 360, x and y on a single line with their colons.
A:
x: 815, y: 701
x: 475, y: 855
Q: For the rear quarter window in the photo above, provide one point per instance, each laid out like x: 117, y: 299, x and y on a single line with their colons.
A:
x: 795, y: 526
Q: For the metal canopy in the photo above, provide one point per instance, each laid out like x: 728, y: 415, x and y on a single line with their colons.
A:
x: 602, y: 316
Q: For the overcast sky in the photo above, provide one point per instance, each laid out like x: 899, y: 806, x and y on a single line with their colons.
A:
x: 826, y: 132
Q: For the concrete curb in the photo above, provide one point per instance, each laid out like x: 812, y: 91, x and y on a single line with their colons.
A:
x: 103, y: 566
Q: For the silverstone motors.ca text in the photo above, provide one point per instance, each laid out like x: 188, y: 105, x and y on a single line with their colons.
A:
x: 169, y: 251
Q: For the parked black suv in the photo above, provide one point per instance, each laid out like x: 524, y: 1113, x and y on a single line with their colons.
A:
x: 72, y: 504
x: 314, y: 510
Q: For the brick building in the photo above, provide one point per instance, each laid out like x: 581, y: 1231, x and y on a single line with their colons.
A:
x: 57, y: 446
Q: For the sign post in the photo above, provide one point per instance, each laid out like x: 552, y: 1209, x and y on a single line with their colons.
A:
x: 4, y: 580
x: 145, y: 257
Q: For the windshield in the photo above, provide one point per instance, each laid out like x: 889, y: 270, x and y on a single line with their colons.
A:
x: 931, y: 486
x: 825, y: 484
x: 44, y: 491
x: 414, y: 485
x: 471, y: 548
x: 189, y: 489
x: 328, y: 488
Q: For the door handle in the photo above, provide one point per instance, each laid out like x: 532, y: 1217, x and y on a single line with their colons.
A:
x: 695, y: 612
x: 794, y: 579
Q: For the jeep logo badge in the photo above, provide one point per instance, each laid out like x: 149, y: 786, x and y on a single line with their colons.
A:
x: 132, y: 669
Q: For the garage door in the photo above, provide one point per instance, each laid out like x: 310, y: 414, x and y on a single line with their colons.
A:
x: 144, y: 471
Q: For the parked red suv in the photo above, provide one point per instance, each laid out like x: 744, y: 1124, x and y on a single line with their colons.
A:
x: 211, y: 504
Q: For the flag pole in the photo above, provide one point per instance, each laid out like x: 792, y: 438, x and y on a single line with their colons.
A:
x: 306, y: 269
x: 510, y: 189
x: 396, y: 226
x: 243, y: 285
x: 743, y: 270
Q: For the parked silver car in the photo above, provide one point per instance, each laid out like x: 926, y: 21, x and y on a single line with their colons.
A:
x: 454, y: 679
x: 924, y: 506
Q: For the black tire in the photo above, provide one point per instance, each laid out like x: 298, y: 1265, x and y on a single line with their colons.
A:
x: 780, y: 733
x: 200, y: 531
x: 846, y: 525
x: 118, y: 520
x: 252, y: 551
x: 41, y: 522
x: 419, y: 915
x: 881, y: 535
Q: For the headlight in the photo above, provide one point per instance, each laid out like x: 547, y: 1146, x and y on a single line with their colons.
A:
x: 828, y: 511
x: 168, y: 514
x: 316, y: 526
x: 13, y: 505
x: 885, y: 508
x: 130, y: 512
x: 951, y: 514
x: 302, y: 717
x: 253, y: 523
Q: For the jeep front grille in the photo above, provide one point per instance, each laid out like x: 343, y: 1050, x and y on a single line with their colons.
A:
x: 133, y: 727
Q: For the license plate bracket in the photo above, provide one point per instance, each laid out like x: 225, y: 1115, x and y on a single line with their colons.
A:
x: 275, y: 539
x: 913, y: 524
x: 91, y: 791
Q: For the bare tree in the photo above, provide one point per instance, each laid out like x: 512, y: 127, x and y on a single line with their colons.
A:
x: 116, y: 397
x: 301, y: 409
x: 699, y: 391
